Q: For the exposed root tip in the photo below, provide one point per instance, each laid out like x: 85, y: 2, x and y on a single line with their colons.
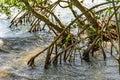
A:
x: 31, y: 62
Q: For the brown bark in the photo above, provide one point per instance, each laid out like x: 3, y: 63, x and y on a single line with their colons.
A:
x: 88, y: 15
x: 42, y: 17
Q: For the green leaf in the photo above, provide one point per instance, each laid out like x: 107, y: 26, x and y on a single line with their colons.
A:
x: 7, y: 13
x: 68, y: 37
x: 108, y: 0
x: 109, y: 10
x: 117, y: 1
x: 39, y: 1
x: 93, y: 29
x: 1, y: 1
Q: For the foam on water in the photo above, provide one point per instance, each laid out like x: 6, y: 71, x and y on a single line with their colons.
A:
x: 6, y: 32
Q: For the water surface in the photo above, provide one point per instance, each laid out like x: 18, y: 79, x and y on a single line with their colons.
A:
x: 18, y: 46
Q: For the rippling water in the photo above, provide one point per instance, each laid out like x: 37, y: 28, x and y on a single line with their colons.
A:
x: 13, y: 67
x: 16, y: 51
x: 19, y: 45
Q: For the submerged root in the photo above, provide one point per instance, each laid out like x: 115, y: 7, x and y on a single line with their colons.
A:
x: 64, y: 50
x: 61, y: 49
x: 31, y: 62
